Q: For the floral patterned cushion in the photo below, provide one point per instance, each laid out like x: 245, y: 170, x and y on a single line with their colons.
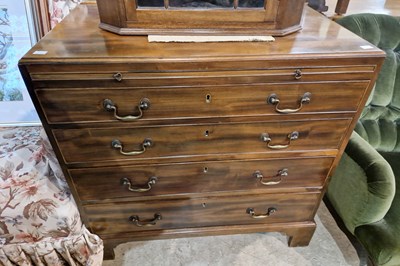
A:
x: 39, y: 220
x: 59, y: 9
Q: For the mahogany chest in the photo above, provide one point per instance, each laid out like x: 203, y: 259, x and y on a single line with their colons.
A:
x: 164, y: 140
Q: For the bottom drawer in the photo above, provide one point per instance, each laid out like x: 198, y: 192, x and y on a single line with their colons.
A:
x: 201, y: 212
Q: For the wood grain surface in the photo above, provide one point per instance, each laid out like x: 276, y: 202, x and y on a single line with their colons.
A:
x: 196, y: 142
x: 77, y: 105
x: 201, y: 212
x: 208, y: 111
x: 198, y: 178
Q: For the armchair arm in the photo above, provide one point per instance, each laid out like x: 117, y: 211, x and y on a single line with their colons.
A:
x: 362, y: 187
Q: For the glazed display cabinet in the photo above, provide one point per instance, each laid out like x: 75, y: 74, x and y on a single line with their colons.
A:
x: 218, y: 17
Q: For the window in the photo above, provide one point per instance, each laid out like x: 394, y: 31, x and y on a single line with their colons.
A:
x: 17, y: 35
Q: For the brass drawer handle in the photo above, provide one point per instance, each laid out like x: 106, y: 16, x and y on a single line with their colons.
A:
x: 277, y: 179
x: 270, y: 211
x: 116, y: 144
x: 274, y: 100
x: 266, y: 138
x: 109, y: 106
x: 151, y: 222
x: 126, y: 182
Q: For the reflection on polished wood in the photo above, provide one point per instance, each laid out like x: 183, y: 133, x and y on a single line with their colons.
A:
x: 319, y: 36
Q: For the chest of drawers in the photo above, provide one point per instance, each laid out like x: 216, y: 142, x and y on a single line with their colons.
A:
x: 162, y: 140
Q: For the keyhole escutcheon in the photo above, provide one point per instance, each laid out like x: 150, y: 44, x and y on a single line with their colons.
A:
x: 208, y: 98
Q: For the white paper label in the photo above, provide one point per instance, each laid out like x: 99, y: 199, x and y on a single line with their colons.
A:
x: 213, y: 38
x: 365, y: 47
x: 40, y: 52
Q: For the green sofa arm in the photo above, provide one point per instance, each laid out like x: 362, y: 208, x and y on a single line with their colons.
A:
x: 362, y: 187
x: 381, y: 239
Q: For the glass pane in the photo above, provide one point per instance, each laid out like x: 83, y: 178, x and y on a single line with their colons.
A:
x: 150, y: 3
x: 15, y: 40
x: 202, y: 3
x: 251, y: 3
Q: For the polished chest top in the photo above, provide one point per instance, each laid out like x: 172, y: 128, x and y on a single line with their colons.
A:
x: 161, y: 140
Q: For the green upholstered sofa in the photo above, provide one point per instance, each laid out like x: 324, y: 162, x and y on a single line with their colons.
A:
x: 365, y: 188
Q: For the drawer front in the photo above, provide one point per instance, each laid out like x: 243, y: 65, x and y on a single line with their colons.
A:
x: 200, y: 212
x: 78, y: 77
x: 93, y: 105
x: 172, y: 179
x: 175, y: 142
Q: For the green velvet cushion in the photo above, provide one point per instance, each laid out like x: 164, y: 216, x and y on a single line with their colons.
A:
x: 362, y: 187
x: 378, y: 122
x: 382, y: 239
x: 381, y: 134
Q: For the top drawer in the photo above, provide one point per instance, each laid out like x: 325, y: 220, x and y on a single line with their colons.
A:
x: 132, y: 105
x: 76, y: 77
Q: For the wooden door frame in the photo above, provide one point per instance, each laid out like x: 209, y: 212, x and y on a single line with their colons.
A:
x: 41, y: 17
x: 341, y: 7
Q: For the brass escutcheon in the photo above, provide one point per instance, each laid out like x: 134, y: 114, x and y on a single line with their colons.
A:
x: 118, y: 76
x: 298, y: 74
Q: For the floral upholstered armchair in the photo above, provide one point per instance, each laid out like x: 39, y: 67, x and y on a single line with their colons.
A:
x: 58, y: 9
x: 39, y: 221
